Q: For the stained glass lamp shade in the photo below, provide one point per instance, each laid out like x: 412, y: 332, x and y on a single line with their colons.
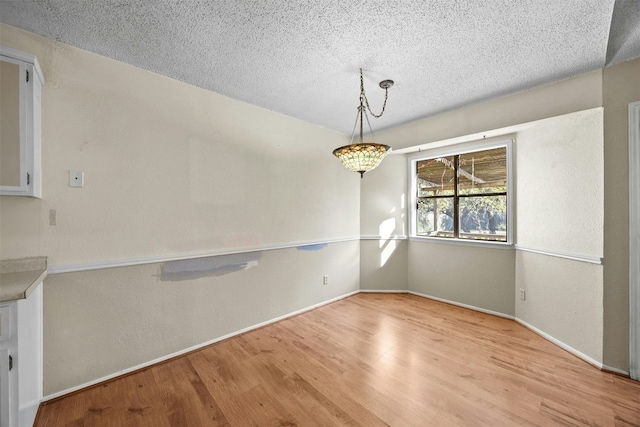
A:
x: 362, y: 157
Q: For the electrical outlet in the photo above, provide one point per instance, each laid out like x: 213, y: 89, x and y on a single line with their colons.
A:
x: 523, y: 294
x: 325, y: 280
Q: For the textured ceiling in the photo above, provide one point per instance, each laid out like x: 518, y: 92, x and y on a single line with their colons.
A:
x: 301, y: 58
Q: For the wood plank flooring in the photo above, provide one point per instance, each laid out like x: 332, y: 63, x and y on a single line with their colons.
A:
x: 367, y: 360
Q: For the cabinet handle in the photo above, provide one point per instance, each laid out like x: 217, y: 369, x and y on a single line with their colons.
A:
x: 10, y: 362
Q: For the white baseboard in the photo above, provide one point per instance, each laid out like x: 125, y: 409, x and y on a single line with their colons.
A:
x: 614, y: 370
x: 384, y: 291
x: 544, y: 335
x: 570, y: 349
x: 459, y: 304
x: 193, y: 348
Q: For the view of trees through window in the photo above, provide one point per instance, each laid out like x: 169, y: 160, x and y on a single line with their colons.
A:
x: 463, y: 196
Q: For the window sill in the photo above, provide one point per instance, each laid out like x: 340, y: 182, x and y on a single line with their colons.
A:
x: 462, y: 242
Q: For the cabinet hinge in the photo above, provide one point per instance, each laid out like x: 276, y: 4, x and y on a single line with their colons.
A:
x: 27, y: 76
x: 28, y: 178
x: 10, y: 362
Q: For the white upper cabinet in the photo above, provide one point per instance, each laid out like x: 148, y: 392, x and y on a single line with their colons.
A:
x: 21, y: 83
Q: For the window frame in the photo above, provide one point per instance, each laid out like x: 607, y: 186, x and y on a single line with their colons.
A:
x: 453, y: 150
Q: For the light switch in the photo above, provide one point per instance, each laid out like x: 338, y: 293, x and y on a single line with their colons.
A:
x: 76, y: 179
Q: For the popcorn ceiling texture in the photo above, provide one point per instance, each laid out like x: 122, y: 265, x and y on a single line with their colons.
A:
x: 302, y: 58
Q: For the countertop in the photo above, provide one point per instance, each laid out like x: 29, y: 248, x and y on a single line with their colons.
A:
x: 19, y: 277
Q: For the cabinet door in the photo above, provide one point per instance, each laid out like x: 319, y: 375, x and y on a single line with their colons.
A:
x: 20, y: 116
x: 13, y: 154
x: 6, y: 412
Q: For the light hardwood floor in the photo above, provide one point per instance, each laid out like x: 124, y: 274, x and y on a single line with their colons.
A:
x: 367, y: 360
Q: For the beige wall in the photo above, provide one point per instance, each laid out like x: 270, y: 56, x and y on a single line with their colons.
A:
x: 383, y: 265
x: 559, y: 168
x: 480, y: 277
x: 171, y: 170
x: 383, y: 221
x: 621, y: 86
x: 98, y: 323
x: 560, y: 177
x: 564, y: 300
x: 383, y: 205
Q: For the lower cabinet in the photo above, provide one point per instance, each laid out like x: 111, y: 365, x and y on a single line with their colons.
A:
x: 21, y: 360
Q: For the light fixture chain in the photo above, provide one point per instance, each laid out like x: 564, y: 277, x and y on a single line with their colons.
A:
x: 373, y: 137
x: 366, y: 101
x: 353, y: 132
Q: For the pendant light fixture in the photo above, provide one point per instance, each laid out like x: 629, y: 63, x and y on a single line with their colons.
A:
x: 364, y: 156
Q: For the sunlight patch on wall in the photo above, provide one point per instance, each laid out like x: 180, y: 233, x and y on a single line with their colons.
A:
x: 388, y: 250
x: 386, y: 229
x: 387, y: 244
x: 403, y: 206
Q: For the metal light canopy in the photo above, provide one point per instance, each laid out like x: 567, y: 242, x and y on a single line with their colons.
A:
x: 364, y: 156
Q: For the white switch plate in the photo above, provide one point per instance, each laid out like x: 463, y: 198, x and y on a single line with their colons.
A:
x: 325, y: 280
x: 76, y: 179
x: 523, y: 294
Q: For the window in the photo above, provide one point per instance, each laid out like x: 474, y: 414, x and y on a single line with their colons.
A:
x: 462, y: 195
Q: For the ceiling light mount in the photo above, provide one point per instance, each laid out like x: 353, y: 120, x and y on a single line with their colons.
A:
x: 364, y: 156
x: 386, y: 84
